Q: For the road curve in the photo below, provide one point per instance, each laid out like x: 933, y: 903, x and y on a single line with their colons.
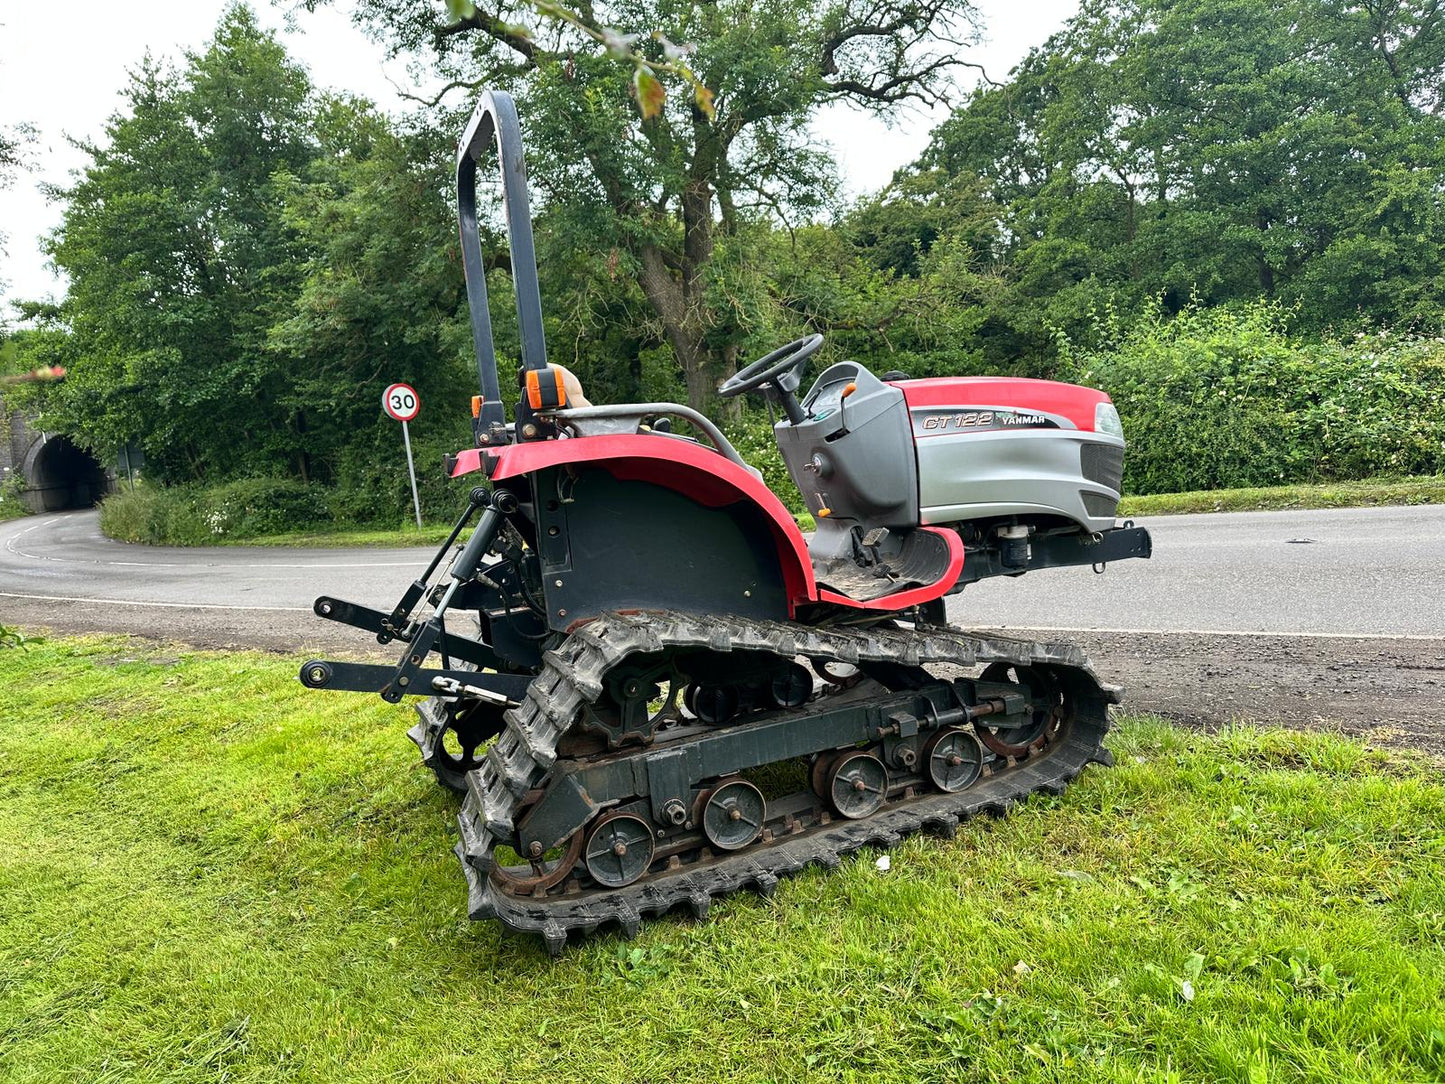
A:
x: 1335, y: 573
x: 1233, y: 617
x: 57, y: 571
x: 1341, y: 572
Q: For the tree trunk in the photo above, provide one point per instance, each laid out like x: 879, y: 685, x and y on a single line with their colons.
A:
x: 682, y: 328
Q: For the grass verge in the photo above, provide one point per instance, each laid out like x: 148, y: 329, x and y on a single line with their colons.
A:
x: 1365, y: 493
x: 207, y: 873
x: 1336, y: 495
x: 429, y: 534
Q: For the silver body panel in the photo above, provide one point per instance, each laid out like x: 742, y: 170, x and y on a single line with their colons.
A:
x: 1019, y: 472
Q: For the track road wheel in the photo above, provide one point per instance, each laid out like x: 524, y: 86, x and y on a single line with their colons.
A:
x: 619, y: 850
x: 953, y: 759
x: 1019, y: 741
x: 818, y: 774
x: 733, y: 815
x: 790, y: 687
x: 857, y: 785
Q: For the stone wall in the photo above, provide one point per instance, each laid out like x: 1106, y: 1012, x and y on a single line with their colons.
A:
x: 55, y: 473
x: 17, y: 440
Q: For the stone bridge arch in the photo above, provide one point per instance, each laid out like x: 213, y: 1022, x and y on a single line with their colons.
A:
x: 55, y: 473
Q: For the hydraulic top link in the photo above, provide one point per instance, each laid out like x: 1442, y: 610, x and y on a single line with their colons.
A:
x: 401, y: 614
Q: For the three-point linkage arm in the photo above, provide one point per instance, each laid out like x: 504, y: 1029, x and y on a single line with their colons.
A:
x: 409, y: 676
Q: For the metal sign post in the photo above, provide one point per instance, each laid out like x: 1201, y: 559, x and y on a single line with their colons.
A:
x: 400, y: 401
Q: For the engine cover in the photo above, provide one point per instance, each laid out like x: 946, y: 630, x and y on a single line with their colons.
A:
x: 992, y: 447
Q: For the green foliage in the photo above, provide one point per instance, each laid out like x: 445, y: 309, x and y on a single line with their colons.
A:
x: 11, y: 637
x: 179, y: 260
x: 250, y: 263
x: 251, y: 260
x: 648, y: 234
x: 1352, y: 494
x: 1217, y: 149
x: 269, y: 891
x: 1216, y: 398
x: 197, y: 516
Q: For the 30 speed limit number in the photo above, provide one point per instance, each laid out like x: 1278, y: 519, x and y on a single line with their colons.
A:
x: 401, y: 402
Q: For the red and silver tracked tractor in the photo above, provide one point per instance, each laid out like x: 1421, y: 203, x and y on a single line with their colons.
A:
x: 635, y: 625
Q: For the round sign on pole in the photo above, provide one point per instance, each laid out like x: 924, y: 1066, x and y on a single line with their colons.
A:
x: 401, y: 402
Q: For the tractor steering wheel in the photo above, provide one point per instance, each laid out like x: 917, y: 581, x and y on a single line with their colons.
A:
x: 783, y: 368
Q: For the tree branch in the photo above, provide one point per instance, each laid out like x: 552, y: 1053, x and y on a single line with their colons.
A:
x: 495, y: 29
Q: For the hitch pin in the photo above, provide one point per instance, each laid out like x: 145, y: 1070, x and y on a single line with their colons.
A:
x: 452, y: 687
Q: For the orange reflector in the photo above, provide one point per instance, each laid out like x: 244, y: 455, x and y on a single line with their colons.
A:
x: 849, y: 389
x: 538, y: 392
x: 476, y: 406
x: 825, y: 511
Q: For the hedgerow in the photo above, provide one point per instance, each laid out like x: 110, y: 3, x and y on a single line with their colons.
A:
x: 1223, y: 398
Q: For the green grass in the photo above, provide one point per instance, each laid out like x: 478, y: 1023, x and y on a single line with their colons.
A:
x: 208, y: 873
x: 12, y: 509
x: 1376, y: 491
x: 430, y: 534
x: 1337, y: 495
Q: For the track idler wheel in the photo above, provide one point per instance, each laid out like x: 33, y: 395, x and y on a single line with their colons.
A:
x: 953, y: 759
x: 857, y: 785
x: 459, y: 746
x: 619, y: 850
x: 1019, y: 741
x: 733, y: 815
x: 542, y: 871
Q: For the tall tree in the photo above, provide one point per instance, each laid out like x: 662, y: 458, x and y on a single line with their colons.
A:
x: 668, y: 194
x: 180, y: 260
x: 380, y: 294
x: 1222, y: 149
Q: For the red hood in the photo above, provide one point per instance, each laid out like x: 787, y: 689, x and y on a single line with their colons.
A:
x: 972, y: 392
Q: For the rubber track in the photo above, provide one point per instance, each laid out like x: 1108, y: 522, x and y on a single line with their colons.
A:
x: 427, y: 734
x: 572, y: 676
x: 431, y: 724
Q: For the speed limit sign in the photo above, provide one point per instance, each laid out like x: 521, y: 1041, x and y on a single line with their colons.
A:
x: 401, y: 402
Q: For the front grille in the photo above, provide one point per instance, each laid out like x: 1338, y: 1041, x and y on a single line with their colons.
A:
x: 1104, y: 464
x: 1099, y: 506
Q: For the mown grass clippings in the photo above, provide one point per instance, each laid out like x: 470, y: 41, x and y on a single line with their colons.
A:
x: 219, y: 875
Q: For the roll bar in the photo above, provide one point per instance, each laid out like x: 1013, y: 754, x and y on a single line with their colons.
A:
x: 494, y: 122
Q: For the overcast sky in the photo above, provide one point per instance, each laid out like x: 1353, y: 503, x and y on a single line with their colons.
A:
x: 63, y: 75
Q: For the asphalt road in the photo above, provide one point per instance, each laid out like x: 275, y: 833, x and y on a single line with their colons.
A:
x: 1363, y: 571
x: 1338, y: 571
x: 1234, y: 616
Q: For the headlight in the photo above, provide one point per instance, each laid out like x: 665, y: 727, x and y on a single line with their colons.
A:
x: 1106, y: 420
